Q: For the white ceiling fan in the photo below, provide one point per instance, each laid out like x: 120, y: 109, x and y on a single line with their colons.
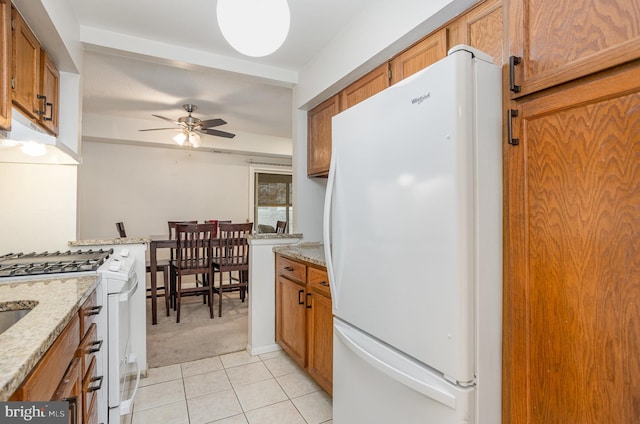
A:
x: 190, y: 127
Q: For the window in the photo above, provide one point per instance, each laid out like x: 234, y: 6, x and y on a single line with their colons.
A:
x: 272, y: 201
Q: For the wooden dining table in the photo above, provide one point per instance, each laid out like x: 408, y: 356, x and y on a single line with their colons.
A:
x: 157, y: 242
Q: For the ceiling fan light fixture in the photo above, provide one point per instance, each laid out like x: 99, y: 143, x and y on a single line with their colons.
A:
x: 254, y: 27
x: 194, y: 139
x: 180, y: 138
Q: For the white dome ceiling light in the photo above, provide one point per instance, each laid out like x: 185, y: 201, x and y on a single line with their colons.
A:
x: 254, y: 27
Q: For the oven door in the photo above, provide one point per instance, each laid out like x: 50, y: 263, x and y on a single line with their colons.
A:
x: 124, y: 372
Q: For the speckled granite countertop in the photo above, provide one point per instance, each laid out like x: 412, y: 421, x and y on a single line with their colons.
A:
x: 24, y: 343
x: 263, y: 236
x: 308, y: 252
x: 104, y: 242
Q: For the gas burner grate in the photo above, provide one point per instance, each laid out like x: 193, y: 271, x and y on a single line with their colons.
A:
x: 20, y: 264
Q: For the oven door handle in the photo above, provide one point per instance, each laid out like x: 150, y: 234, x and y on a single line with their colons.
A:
x: 126, y: 406
x: 124, y: 297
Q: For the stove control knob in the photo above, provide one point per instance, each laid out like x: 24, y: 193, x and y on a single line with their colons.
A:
x: 115, y: 265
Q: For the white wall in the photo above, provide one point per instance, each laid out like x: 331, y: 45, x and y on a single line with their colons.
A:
x: 38, y: 207
x: 146, y: 187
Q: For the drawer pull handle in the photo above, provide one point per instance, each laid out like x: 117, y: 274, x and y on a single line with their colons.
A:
x: 95, y: 310
x: 95, y: 388
x: 300, y: 299
x: 73, y: 408
x: 288, y: 268
x: 94, y: 349
x: 324, y: 283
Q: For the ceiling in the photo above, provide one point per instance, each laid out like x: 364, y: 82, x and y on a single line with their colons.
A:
x: 254, y: 95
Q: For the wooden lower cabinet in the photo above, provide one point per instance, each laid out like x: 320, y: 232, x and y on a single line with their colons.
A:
x: 58, y: 374
x: 320, y: 338
x: 304, y: 319
x: 67, y: 371
x: 292, y: 319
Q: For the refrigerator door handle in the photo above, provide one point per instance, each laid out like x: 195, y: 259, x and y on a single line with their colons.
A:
x: 384, y: 361
x: 326, y: 229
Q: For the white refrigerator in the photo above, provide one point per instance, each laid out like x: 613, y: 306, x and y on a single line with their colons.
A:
x: 413, y: 236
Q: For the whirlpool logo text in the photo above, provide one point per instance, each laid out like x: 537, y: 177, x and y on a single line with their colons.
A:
x: 420, y: 99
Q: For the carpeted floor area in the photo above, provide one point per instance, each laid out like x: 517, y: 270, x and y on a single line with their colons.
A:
x: 196, y: 336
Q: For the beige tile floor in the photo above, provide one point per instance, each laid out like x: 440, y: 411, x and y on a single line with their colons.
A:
x: 236, y: 388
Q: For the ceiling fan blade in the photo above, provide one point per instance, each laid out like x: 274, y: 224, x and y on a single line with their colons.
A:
x: 166, y: 119
x: 210, y: 123
x: 156, y: 129
x: 218, y: 133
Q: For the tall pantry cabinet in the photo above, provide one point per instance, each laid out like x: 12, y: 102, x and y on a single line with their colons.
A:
x: 572, y: 213
x: 5, y: 60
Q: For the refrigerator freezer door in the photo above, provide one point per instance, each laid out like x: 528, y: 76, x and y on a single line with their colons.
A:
x: 399, y: 216
x: 376, y: 384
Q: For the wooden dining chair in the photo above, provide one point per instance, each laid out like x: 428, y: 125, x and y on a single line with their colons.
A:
x: 281, y: 227
x: 232, y: 255
x: 161, y: 265
x: 172, y: 236
x: 193, y: 256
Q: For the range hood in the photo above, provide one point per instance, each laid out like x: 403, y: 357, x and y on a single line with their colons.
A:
x: 27, y: 143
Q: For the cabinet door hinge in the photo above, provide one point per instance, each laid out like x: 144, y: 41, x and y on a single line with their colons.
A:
x: 13, y: 82
x: 389, y: 74
x: 13, y: 24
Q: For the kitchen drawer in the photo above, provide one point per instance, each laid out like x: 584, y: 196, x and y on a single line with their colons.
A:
x: 89, y: 346
x: 90, y: 386
x: 45, y: 377
x: 292, y: 270
x: 89, y: 312
x: 319, y: 281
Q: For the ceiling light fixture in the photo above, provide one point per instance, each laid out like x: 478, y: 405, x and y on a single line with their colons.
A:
x: 254, y: 27
x: 192, y: 138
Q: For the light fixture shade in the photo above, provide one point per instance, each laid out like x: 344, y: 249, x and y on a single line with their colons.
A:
x: 254, y: 27
x: 194, y: 139
x: 180, y: 138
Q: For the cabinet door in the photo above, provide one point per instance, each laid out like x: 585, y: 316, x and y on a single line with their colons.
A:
x: 49, y: 94
x: 291, y: 319
x: 319, y: 136
x: 5, y: 61
x: 372, y: 83
x: 26, y: 66
x: 560, y: 40
x: 419, y: 56
x: 320, y: 335
x: 482, y: 28
x: 572, y: 257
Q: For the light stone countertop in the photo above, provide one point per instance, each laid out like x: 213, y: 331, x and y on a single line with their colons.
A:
x: 307, y: 252
x: 25, y: 342
x: 267, y: 236
x: 108, y: 241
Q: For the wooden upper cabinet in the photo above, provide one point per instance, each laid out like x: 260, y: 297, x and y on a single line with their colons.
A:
x: 572, y: 258
x: 561, y: 40
x: 422, y: 54
x: 482, y: 28
x: 5, y: 64
x: 319, y: 136
x: 26, y: 66
x: 372, y: 83
x: 49, y: 93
